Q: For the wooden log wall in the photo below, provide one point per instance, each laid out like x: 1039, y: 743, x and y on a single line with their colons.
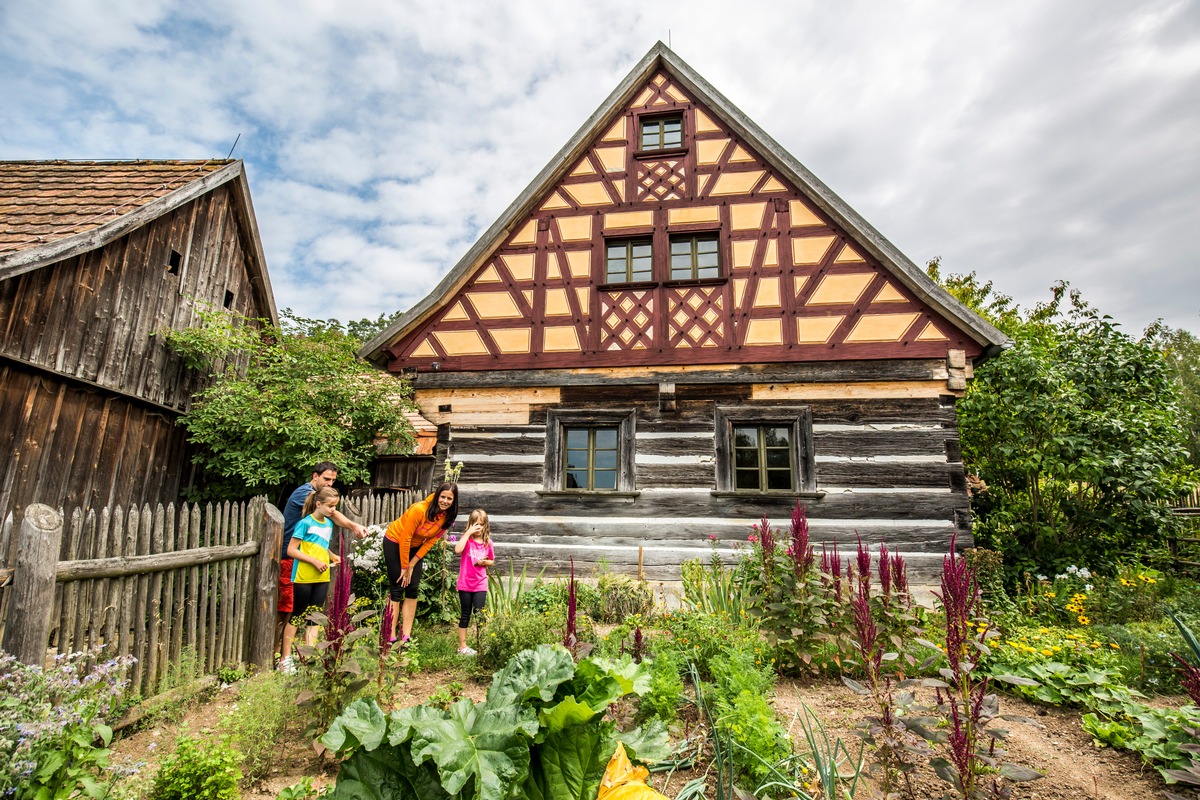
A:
x: 88, y: 393
x: 178, y: 621
x: 887, y: 457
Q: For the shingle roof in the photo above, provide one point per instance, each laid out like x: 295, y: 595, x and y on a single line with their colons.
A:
x: 42, y: 201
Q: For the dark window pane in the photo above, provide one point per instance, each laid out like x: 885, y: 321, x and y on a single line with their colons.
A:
x: 745, y: 437
x: 745, y: 479
x: 778, y: 437
x: 745, y: 459
x: 606, y: 459
x: 577, y: 438
x: 779, y: 480
x: 779, y: 458
x: 577, y: 459
x: 577, y: 480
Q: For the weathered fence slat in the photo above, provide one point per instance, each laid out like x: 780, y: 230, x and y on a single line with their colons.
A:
x: 69, y: 605
x: 128, y: 584
x: 207, y: 596
x: 113, y: 618
x: 266, y: 595
x: 141, y: 637
x: 154, y: 607
x: 193, y: 608
x: 97, y: 590
x: 38, y: 542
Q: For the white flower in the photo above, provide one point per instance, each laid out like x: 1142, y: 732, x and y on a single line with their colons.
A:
x: 1085, y: 573
x: 1087, y: 587
x: 1041, y: 577
x: 1071, y: 570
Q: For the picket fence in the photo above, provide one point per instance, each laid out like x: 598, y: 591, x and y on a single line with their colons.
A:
x: 188, y: 589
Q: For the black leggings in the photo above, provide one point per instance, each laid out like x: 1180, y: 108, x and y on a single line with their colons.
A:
x: 391, y: 555
x: 308, y: 595
x: 468, y: 602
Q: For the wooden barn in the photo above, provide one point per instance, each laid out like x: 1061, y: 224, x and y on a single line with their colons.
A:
x: 95, y: 258
x: 676, y: 329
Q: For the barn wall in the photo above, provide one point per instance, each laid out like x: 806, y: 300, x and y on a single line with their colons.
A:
x: 887, y: 462
x: 90, y: 395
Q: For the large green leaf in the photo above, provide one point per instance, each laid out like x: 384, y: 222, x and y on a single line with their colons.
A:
x: 529, y: 674
x: 386, y: 773
x: 633, y: 677
x: 569, y: 764
x: 569, y: 711
x: 487, y: 747
x: 649, y: 744
x: 361, y: 724
x: 403, y: 721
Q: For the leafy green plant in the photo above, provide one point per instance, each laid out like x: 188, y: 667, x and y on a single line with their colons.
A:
x: 661, y: 701
x: 740, y: 699
x: 1058, y: 684
x: 1143, y: 654
x: 699, y: 638
x: 715, y: 589
x: 55, y: 725
x: 621, y: 595
x: 198, y: 771
x: 505, y: 597
x: 302, y: 790
x: 1035, y: 644
x: 256, y: 725
x: 505, y: 635
x: 539, y: 734
x: 446, y: 696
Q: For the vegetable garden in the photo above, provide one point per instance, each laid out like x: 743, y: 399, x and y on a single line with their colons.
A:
x: 574, y: 676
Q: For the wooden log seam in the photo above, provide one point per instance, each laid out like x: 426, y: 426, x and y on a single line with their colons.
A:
x: 157, y: 562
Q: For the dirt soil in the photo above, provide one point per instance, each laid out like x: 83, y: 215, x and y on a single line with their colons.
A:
x: 1074, y: 768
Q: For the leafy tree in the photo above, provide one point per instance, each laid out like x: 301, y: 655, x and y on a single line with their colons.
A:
x: 1076, y: 431
x: 1181, y: 350
x: 283, y: 399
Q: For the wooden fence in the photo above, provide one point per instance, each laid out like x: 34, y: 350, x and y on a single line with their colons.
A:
x: 160, y: 584
x: 165, y: 585
x: 1188, y: 508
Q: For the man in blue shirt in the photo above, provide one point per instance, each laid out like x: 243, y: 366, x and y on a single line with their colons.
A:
x: 324, y: 474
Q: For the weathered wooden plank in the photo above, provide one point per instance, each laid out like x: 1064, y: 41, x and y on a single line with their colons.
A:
x: 142, y: 678
x: 194, y: 596
x: 112, y: 617
x: 208, y: 597
x: 154, y: 612
x: 83, y: 611
x: 98, y: 589
x: 464, y: 445
x: 270, y: 538
x: 223, y: 588
x: 129, y: 585
x: 504, y: 472
x: 27, y: 627
x: 177, y: 528
x: 893, y: 442
x: 698, y: 475
x: 885, y: 474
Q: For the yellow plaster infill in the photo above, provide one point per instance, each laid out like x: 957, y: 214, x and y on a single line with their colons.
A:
x: 613, y: 158
x: 616, y: 133
x: 773, y: 185
x: 423, y: 350
x: 494, y: 305
x: 584, y: 167
x: 746, y: 216
x: 489, y: 275
x: 740, y: 156
x: 708, y: 151
x: 889, y: 294
x: 583, y: 295
x: 739, y: 291
x: 619, y: 188
x: 588, y: 194
x: 798, y: 282
x: 554, y: 201
x: 642, y: 98
x: 810, y: 249
x: 560, y: 339
x: 659, y: 80
x: 816, y: 330
x: 527, y: 234
x: 704, y: 124
x: 848, y: 256
x: 767, y: 295
x: 658, y: 101
x: 841, y: 391
x: 881, y: 327
x: 511, y: 340
x: 461, y: 343
x: 520, y: 266
x: 580, y: 263
x: 528, y: 295
x: 764, y: 332
x: 575, y: 229
x: 743, y: 252
x: 554, y: 267
x: 456, y: 313
x: 680, y: 216
x: 628, y: 219
x: 736, y: 182
x: 679, y: 96
x: 771, y: 259
x: 840, y: 289
x: 931, y: 334
x: 556, y: 303
x: 802, y: 214
x: 483, y: 406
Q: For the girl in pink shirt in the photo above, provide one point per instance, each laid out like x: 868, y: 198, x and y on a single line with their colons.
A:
x: 475, y: 547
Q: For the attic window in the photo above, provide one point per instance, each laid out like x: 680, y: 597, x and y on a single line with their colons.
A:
x: 661, y: 132
x: 628, y: 261
x: 173, y: 262
x: 228, y: 299
x: 695, y: 256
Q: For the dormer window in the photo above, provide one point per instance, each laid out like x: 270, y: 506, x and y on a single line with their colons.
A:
x: 662, y: 133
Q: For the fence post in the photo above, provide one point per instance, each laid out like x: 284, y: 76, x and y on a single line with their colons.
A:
x: 266, y: 589
x: 27, y: 630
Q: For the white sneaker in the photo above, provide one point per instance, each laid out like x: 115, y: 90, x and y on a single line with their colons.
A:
x: 287, y: 666
x: 466, y: 651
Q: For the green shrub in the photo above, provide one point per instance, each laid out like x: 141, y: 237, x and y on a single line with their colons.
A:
x: 1145, y: 654
x: 547, y: 595
x: 622, y: 595
x: 741, y: 704
x: 198, y: 771
x: 666, y: 689
x: 266, y: 706
x: 505, y: 635
x: 1034, y: 644
x: 701, y: 637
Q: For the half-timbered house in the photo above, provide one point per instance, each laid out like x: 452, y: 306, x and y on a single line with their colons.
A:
x: 676, y: 329
x: 95, y: 259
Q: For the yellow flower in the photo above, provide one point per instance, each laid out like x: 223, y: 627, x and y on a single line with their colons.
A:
x: 1051, y: 595
x: 1083, y: 620
x: 1044, y: 630
x: 1113, y: 645
x: 1046, y: 651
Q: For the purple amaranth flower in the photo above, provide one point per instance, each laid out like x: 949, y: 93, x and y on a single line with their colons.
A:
x: 639, y: 645
x: 1189, y: 677
x: 867, y: 631
x: 569, y: 637
x: 864, y: 564
x: 340, y: 625
x: 385, y: 629
x: 831, y: 563
x: 960, y: 597
x: 900, y: 575
x: 800, y: 550
x: 885, y: 571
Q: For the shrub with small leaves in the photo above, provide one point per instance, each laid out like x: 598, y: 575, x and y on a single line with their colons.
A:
x: 198, y: 771
x: 255, y: 726
x: 622, y: 595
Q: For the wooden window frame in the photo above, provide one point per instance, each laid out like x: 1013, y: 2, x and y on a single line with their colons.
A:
x: 558, y: 420
x: 629, y: 242
x: 694, y: 237
x: 798, y: 418
x: 659, y: 118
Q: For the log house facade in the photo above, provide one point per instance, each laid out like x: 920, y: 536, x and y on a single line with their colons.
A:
x: 677, y: 329
x: 95, y: 258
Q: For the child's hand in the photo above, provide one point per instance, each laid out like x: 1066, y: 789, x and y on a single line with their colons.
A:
x: 334, y: 560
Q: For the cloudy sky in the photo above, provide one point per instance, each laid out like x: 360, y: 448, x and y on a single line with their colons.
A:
x: 1027, y: 141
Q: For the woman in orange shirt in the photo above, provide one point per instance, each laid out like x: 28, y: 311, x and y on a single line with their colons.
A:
x: 405, y: 544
